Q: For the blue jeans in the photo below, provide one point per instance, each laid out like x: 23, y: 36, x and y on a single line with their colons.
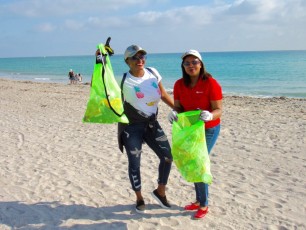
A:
x: 133, y: 137
x: 202, y: 188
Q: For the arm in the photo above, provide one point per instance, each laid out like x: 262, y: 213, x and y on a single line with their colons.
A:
x: 165, y: 96
x: 216, y: 107
x: 178, y: 107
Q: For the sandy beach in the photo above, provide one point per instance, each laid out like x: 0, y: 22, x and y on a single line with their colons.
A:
x: 59, y: 173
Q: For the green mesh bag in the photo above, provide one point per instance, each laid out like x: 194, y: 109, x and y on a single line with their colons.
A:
x: 105, y: 102
x: 189, y: 148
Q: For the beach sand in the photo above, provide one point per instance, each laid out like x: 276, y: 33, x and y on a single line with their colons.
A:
x: 59, y: 173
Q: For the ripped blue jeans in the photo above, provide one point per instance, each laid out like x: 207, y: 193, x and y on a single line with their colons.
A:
x: 202, y: 188
x: 133, y: 137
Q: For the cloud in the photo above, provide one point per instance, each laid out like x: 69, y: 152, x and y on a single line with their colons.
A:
x: 46, y: 8
x: 262, y: 11
x: 46, y: 27
x: 158, y: 25
x: 73, y: 25
x: 192, y: 15
x: 83, y: 15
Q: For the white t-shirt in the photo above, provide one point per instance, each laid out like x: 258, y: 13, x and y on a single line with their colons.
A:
x: 143, y: 92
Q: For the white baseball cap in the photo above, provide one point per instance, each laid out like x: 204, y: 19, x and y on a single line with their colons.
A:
x: 193, y: 53
x: 132, y: 50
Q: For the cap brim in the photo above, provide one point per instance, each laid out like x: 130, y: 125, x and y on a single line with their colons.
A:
x: 134, y: 53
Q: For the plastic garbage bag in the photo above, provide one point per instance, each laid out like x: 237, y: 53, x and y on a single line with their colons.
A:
x: 105, y: 102
x: 189, y: 148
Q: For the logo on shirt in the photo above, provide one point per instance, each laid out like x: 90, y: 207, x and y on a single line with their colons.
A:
x: 156, y: 87
x: 139, y: 94
x: 152, y: 103
x: 197, y: 92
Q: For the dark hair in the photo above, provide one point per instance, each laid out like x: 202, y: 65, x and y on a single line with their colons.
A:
x: 203, y: 74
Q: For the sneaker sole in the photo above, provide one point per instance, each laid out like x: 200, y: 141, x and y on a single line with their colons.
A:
x: 159, y: 202
x: 201, y: 218
x: 140, y: 208
x: 140, y: 211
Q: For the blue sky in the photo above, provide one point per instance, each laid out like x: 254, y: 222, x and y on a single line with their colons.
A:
x: 74, y: 27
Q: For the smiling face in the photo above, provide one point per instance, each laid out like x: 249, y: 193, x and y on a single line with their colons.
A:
x: 192, y: 65
x: 137, y: 62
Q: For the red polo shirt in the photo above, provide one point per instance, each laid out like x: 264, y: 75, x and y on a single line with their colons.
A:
x: 199, y: 96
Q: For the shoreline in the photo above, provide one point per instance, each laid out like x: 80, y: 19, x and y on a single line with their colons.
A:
x: 170, y: 91
x: 57, y: 172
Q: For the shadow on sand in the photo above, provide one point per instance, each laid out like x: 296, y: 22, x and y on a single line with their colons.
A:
x: 53, y: 215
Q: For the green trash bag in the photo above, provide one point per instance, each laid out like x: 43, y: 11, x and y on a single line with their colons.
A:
x: 189, y: 148
x: 105, y: 102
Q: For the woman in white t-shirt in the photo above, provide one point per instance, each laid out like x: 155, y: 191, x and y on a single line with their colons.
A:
x: 142, y: 90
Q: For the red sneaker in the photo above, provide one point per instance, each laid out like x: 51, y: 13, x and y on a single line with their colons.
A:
x: 200, y: 213
x: 191, y: 207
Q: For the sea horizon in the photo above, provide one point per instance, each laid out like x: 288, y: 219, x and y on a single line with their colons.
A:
x: 275, y: 73
x: 225, y: 51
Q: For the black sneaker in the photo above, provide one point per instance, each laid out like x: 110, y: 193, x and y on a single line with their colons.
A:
x: 140, y: 206
x: 162, y: 200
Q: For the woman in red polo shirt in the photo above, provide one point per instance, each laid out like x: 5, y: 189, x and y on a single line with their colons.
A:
x: 197, y: 89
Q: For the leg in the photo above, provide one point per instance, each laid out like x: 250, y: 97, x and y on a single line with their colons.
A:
x: 211, y: 137
x: 196, y: 204
x: 158, y: 142
x: 202, y: 193
x: 202, y: 188
x: 138, y: 195
x: 132, y: 140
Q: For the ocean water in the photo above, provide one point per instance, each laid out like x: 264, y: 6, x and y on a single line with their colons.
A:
x: 259, y: 74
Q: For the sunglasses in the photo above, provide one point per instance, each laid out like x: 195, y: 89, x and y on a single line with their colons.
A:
x: 195, y: 62
x: 140, y: 57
